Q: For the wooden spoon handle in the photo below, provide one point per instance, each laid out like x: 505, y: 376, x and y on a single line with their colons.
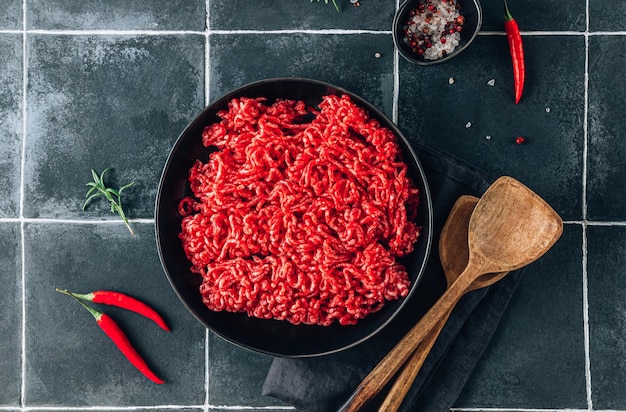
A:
x: 382, y: 373
x: 411, y: 368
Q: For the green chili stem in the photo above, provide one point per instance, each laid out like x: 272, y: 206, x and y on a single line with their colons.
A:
x: 507, y: 13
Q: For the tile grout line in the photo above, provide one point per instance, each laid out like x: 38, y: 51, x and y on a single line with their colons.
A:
x: 21, y: 210
x: 122, y: 32
x: 588, y: 223
x: 396, y: 80
x: 78, y: 221
x: 586, y: 344
x: 514, y: 410
x: 145, y: 32
x: 585, y: 280
x: 207, y: 99
x: 607, y: 223
x: 114, y: 32
x: 207, y: 52
x: 114, y: 408
x: 207, y: 404
x: 525, y: 410
x: 535, y: 33
x: 236, y: 408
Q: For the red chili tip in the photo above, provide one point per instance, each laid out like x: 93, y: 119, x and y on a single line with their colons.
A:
x: 119, y: 338
x: 519, y: 140
x: 124, y: 301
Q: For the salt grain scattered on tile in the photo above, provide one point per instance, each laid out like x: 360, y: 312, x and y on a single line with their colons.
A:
x: 491, y: 82
x: 488, y: 137
x: 377, y: 55
x: 468, y: 125
x: 451, y: 80
x: 547, y: 110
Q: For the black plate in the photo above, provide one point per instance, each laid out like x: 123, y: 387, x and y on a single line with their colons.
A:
x: 278, y: 338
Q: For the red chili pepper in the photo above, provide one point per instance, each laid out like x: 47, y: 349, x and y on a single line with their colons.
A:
x: 121, y: 301
x: 517, y: 52
x: 119, y: 338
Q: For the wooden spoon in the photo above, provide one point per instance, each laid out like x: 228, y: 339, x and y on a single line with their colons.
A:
x: 511, y: 227
x: 454, y: 255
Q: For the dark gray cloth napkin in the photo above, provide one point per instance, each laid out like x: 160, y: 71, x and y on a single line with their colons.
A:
x: 324, y: 383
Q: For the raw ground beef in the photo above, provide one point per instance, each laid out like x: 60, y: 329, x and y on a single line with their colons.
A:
x: 301, y: 213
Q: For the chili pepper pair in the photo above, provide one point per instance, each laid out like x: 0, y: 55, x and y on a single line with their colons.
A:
x: 112, y: 329
x: 517, y: 52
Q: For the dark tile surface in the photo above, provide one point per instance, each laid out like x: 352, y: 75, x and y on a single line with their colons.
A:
x: 116, y: 14
x: 10, y: 314
x: 236, y: 375
x: 305, y: 55
x: 479, y: 122
x: 11, y: 122
x: 607, y: 320
x: 607, y: 163
x: 536, y: 15
x: 293, y: 15
x: 536, y: 359
x: 106, y: 101
x: 70, y: 362
x: 113, y: 83
x: 11, y: 16
x: 606, y: 16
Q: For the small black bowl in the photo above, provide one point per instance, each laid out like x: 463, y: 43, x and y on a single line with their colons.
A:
x: 470, y: 9
x: 272, y: 337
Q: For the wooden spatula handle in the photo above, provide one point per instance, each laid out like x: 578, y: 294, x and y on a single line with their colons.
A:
x: 382, y: 373
x: 411, y: 368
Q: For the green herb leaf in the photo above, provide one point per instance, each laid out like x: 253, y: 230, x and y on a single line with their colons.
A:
x: 112, y: 191
x: 89, y: 199
x: 126, y: 186
x: 98, y: 188
x: 96, y: 178
x: 90, y: 191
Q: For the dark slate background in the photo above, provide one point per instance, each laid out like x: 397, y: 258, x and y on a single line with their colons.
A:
x: 89, y: 84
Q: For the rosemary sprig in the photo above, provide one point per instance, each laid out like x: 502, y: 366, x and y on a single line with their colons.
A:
x: 326, y: 1
x: 98, y: 188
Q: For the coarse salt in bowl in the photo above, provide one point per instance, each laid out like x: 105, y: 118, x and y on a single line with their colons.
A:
x: 427, y: 32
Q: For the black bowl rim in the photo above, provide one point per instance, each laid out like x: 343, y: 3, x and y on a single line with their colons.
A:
x: 425, y: 190
x: 419, y: 62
